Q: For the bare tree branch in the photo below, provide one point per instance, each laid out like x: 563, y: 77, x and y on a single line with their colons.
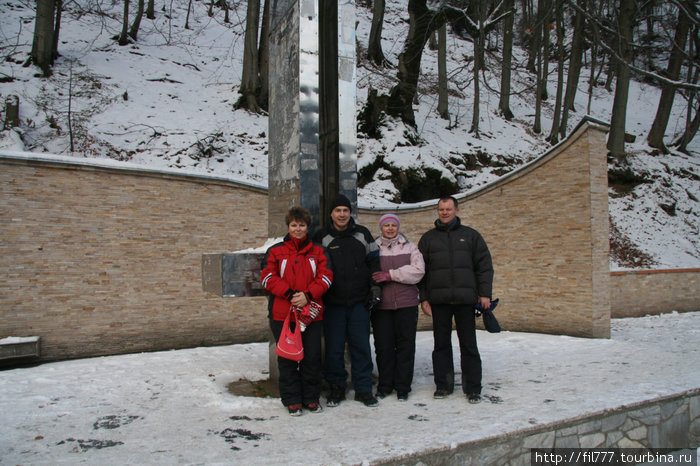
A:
x: 611, y: 50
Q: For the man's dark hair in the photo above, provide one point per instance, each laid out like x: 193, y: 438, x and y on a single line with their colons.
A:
x: 298, y: 214
x: 449, y: 198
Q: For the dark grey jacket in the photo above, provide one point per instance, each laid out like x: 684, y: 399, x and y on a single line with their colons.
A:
x: 458, y: 268
x: 354, y: 256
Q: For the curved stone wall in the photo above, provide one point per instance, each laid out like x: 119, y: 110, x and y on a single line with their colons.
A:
x: 546, y: 226
x: 101, y: 260
x: 106, y: 259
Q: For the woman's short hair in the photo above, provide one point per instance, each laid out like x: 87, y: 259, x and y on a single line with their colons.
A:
x: 298, y: 214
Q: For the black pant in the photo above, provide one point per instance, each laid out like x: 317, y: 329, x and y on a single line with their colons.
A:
x: 300, y: 382
x: 395, y: 347
x: 443, y: 365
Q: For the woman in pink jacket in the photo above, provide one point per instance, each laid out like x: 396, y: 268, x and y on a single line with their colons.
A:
x: 395, y: 320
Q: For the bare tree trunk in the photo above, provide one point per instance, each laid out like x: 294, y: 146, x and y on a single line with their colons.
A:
x: 224, y: 5
x: 443, y: 106
x: 658, y: 128
x: 70, y: 107
x: 478, y: 64
x: 422, y: 23
x: 56, y: 29
x: 506, y: 63
x: 616, y: 138
x: 187, y: 18
x: 11, y: 112
x: 610, y: 77
x: 264, y: 59
x: 150, y: 10
x: 249, y: 80
x: 593, y: 80
x: 134, y: 31
x: 691, y: 124
x: 402, y: 94
x: 42, y: 44
x: 433, y: 41
x: 648, y: 7
x: 535, y: 28
x: 539, y: 31
x: 527, y: 12
x: 592, y: 77
x: 691, y: 130
x: 537, y: 127
x: 553, y: 137
x: 577, y: 46
x: 125, y: 25
x: 374, y: 47
x: 547, y: 26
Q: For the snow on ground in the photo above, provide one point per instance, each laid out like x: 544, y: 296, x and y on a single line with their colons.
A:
x: 174, y: 407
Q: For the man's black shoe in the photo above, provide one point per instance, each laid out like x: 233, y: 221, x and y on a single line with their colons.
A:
x: 367, y: 398
x: 336, y: 395
x: 473, y: 398
x: 441, y: 393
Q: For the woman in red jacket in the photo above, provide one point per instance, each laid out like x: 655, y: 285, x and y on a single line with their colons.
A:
x: 296, y: 273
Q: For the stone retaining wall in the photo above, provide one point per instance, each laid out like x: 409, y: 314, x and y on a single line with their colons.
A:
x: 101, y: 260
x: 547, y: 227
x: 666, y: 422
x: 106, y: 259
x: 642, y: 292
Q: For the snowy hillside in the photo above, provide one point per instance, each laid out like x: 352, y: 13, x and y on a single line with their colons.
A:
x: 166, y: 101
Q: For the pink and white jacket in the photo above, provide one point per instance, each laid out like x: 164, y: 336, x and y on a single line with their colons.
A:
x: 405, y: 264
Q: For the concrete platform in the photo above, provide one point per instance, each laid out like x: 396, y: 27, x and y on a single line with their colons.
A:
x: 13, y: 349
x: 638, y: 389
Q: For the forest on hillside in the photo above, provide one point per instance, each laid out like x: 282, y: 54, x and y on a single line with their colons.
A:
x: 655, y: 40
x: 451, y: 94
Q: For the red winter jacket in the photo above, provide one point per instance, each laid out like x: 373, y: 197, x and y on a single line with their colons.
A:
x: 295, y: 265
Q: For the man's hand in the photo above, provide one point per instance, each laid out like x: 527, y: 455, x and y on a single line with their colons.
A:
x: 427, y: 310
x: 485, y: 303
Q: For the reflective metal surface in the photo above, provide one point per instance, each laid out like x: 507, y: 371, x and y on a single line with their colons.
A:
x: 347, y: 79
x: 240, y: 274
x: 283, y: 134
x: 309, y: 176
x: 232, y: 274
x: 295, y: 174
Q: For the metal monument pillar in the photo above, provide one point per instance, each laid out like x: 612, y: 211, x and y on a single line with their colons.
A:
x: 347, y: 88
x: 312, y: 140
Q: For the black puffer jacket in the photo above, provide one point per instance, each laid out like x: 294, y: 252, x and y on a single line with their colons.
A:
x: 354, y: 255
x: 458, y: 268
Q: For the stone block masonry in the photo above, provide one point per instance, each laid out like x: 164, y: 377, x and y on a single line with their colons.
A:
x: 546, y: 225
x: 641, y: 292
x: 666, y: 422
x: 99, y: 261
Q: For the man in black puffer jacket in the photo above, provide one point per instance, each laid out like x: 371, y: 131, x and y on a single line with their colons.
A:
x: 458, y: 274
x: 354, y: 256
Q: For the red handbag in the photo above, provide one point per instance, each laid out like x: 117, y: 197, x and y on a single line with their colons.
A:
x: 290, y: 346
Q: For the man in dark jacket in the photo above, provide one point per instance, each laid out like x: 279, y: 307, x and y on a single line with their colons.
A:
x: 458, y: 274
x: 354, y: 256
